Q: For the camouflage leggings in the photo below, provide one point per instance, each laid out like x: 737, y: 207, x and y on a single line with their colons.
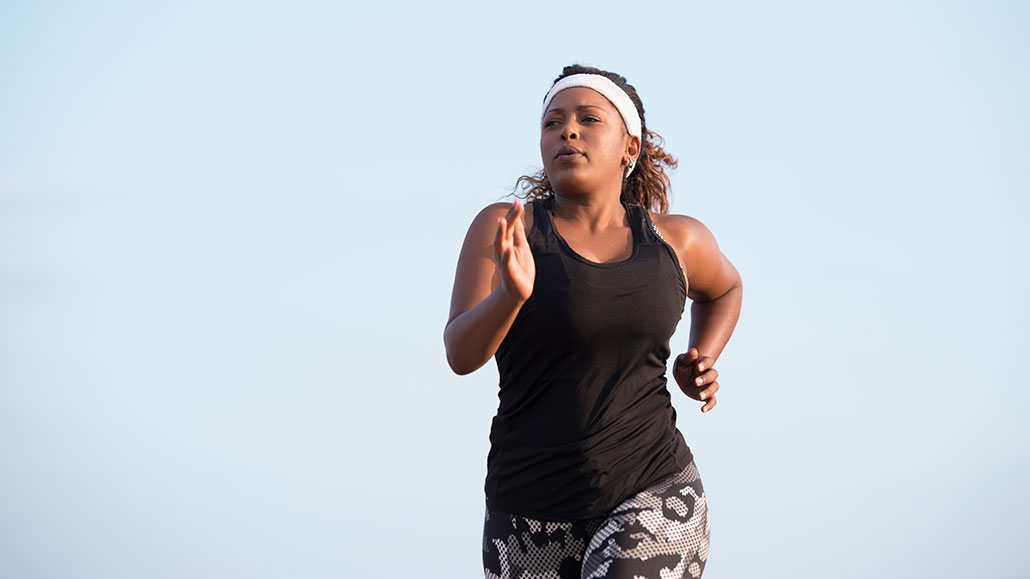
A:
x: 659, y: 533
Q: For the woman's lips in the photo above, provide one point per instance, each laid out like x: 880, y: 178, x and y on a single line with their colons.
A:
x: 568, y: 153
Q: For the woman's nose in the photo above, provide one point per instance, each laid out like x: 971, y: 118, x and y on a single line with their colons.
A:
x: 569, y: 131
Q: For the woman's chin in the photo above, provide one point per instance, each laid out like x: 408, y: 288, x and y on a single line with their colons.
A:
x: 572, y: 181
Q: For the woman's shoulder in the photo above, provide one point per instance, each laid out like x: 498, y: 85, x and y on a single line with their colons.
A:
x: 678, y: 230
x: 487, y: 217
x: 499, y: 209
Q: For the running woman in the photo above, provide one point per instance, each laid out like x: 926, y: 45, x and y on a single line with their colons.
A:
x: 577, y: 294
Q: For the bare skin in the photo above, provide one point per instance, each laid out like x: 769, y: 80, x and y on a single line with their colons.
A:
x: 585, y: 148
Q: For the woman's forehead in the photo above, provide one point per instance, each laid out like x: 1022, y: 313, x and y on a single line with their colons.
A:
x: 577, y: 96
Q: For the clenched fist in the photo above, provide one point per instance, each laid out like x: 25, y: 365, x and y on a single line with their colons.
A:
x: 696, y: 377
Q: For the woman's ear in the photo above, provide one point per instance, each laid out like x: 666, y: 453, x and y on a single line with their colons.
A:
x: 633, y: 147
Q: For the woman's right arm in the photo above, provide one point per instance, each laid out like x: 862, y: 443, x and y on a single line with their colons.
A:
x: 494, y: 278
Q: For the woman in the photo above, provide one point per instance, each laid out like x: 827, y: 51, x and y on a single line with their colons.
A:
x: 577, y: 294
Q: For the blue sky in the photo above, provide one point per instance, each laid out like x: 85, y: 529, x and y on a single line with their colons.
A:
x: 228, y: 233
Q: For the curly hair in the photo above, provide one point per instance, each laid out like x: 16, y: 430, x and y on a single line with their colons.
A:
x: 648, y: 185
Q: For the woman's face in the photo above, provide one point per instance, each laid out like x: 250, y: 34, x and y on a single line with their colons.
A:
x: 584, y: 142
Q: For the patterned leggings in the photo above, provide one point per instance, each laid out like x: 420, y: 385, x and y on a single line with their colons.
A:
x: 659, y: 533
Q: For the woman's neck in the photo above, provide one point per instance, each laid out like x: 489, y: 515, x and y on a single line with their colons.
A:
x: 592, y: 212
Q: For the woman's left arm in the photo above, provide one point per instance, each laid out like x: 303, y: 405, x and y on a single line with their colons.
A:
x: 715, y: 288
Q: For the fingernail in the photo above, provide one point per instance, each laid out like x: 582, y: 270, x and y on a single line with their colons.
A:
x: 704, y: 396
x: 700, y: 381
x: 700, y: 367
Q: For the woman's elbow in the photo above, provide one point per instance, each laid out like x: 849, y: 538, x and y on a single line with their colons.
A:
x: 458, y: 365
x: 461, y: 367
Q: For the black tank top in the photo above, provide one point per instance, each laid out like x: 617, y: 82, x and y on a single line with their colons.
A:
x: 585, y: 419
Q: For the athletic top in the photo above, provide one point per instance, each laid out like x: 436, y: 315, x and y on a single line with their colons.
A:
x: 585, y: 419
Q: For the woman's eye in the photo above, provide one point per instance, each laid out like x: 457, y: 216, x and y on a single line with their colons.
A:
x: 594, y: 119
x: 549, y: 123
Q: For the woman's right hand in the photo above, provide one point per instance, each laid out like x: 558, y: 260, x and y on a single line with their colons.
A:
x: 513, y: 256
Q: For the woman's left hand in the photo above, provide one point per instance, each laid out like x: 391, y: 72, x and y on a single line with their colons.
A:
x: 696, y: 377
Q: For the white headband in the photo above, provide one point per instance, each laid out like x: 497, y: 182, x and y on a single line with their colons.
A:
x: 608, y: 90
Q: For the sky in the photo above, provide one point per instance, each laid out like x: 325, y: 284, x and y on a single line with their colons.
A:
x: 228, y: 234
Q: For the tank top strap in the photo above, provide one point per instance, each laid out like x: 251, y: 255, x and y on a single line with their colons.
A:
x: 541, y: 224
x: 651, y: 235
x: 643, y: 227
x: 542, y: 237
